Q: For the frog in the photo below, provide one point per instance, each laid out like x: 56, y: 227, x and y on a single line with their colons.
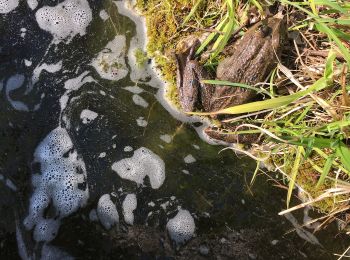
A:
x: 252, y: 59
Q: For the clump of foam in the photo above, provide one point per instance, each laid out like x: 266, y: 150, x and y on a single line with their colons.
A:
x: 189, y: 159
x: 129, y: 205
x: 32, y: 4
x: 110, y: 62
x: 143, y: 163
x: 104, y: 15
x: 65, y: 20
x: 46, y: 230
x: 181, y: 228
x: 61, y: 183
x: 107, y: 211
x: 140, y: 101
x: 87, y: 116
x: 166, y: 138
x: 141, y: 122
x: 7, y: 6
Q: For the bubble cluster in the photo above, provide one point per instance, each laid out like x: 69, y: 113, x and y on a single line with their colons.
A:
x: 143, y: 163
x: 129, y: 205
x: 107, y: 211
x: 7, y: 6
x: 181, y: 228
x: 66, y: 19
x: 60, y: 182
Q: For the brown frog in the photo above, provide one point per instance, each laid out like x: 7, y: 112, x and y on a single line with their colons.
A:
x: 252, y: 59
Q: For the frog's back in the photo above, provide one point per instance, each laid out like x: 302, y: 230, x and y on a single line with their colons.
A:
x: 252, y: 60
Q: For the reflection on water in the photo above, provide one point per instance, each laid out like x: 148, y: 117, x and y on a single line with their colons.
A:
x: 95, y: 163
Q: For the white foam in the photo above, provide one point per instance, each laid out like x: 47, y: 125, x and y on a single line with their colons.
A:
x: 181, y: 228
x: 166, y: 138
x: 196, y: 146
x: 32, y: 4
x: 28, y: 63
x: 134, y: 89
x: 87, y: 116
x: 189, y: 159
x: 7, y: 6
x: 13, y: 83
x: 46, y: 230
x: 141, y: 122
x: 110, y: 62
x: 140, y: 101
x: 128, y: 148
x: 185, y: 171
x: 65, y: 20
x: 103, y: 15
x: 52, y: 68
x: 11, y: 185
x: 129, y: 205
x: 143, y: 163
x: 107, y: 211
x: 102, y: 155
x: 61, y: 172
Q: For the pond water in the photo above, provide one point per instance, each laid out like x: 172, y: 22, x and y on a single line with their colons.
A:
x: 95, y: 164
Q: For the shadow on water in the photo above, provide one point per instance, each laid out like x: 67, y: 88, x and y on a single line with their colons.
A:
x: 233, y: 220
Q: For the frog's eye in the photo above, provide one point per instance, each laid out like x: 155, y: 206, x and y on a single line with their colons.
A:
x: 265, y: 30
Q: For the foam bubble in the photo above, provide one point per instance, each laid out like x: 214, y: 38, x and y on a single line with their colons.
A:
x: 87, y: 116
x: 46, y: 230
x: 143, y: 163
x: 141, y: 122
x: 65, y: 20
x: 166, y: 138
x: 110, y: 62
x: 181, y: 228
x: 189, y: 159
x: 103, y: 15
x: 32, y: 4
x: 61, y: 183
x: 7, y: 6
x: 140, y: 101
x: 129, y: 205
x: 134, y: 89
x: 128, y: 148
x: 107, y: 211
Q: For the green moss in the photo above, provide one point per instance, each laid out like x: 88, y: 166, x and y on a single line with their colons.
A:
x: 141, y: 57
x: 163, y: 20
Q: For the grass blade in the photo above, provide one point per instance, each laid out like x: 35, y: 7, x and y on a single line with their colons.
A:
x: 294, y: 173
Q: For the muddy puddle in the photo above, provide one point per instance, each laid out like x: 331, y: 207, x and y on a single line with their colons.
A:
x: 95, y: 165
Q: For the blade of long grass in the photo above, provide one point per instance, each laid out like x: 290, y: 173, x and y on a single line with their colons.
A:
x: 266, y: 104
x: 326, y: 168
x: 212, y: 35
x: 192, y: 12
x: 294, y: 173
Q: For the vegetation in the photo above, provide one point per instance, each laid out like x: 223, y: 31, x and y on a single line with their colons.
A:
x: 305, y: 116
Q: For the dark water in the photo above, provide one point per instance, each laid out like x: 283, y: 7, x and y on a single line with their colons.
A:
x: 232, y: 219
